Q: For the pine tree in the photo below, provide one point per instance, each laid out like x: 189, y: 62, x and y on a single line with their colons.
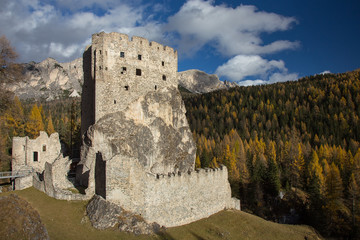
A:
x: 335, y: 207
x: 354, y: 192
x: 297, y: 168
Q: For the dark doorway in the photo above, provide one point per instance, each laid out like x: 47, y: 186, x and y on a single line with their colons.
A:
x: 100, y: 176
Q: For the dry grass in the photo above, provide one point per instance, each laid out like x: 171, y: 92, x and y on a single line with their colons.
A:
x: 63, y: 220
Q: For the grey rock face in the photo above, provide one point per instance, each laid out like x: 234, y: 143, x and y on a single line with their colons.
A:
x: 104, y: 214
x: 49, y: 79
x: 153, y: 130
x: 197, y: 81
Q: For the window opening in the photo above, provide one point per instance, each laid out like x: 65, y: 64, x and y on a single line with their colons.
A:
x: 138, y: 72
x: 114, y: 101
x: 100, y: 51
x: 35, y: 157
x: 106, y: 68
x: 44, y: 148
x: 99, y: 67
x: 155, y: 87
x: 126, y: 87
x: 122, y: 54
x: 164, y: 77
x: 163, y: 63
x: 139, y: 57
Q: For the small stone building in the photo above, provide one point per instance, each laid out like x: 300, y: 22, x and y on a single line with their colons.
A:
x: 34, y: 153
x: 44, y: 164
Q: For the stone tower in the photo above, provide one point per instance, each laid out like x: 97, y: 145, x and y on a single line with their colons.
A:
x: 138, y: 150
x: 121, y: 71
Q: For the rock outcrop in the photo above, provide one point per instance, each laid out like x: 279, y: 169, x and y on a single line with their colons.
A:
x: 104, y: 214
x: 19, y: 220
x: 197, y: 81
x: 152, y: 130
x: 49, y: 79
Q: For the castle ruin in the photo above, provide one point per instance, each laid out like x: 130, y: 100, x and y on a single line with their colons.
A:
x: 138, y: 151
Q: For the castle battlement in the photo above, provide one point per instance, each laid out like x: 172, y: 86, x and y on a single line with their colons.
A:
x: 198, y: 172
x: 140, y: 42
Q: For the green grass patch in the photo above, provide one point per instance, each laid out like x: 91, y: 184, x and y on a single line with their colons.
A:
x: 65, y: 220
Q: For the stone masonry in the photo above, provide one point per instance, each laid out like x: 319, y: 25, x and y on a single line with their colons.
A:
x: 138, y: 151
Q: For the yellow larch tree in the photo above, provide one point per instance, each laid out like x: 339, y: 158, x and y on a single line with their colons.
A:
x: 35, y: 123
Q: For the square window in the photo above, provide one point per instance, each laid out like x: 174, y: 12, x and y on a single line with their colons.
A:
x: 138, y: 72
x: 122, y: 54
x: 139, y: 57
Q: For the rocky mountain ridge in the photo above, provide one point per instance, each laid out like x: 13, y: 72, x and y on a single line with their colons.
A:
x: 50, y: 80
x: 197, y: 81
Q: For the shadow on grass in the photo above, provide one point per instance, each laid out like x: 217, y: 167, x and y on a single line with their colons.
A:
x: 164, y: 235
x: 197, y: 236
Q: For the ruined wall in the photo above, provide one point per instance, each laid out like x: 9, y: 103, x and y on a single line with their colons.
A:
x: 34, y: 153
x: 171, y: 200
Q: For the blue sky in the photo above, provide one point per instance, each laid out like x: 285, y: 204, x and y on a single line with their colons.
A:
x: 249, y: 42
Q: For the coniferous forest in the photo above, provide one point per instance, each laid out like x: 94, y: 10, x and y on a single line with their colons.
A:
x: 292, y: 149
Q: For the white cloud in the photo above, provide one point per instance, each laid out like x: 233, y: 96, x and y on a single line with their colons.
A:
x: 243, y: 66
x: 325, y: 72
x: 41, y: 29
x: 62, y: 28
x: 246, y: 83
x: 232, y: 31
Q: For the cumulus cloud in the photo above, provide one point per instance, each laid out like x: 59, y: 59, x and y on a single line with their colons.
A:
x: 62, y: 28
x: 41, y: 29
x: 241, y: 67
x: 231, y: 31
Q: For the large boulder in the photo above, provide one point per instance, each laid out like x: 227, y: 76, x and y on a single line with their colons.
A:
x: 104, y: 214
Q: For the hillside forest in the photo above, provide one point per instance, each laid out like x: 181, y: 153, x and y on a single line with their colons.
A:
x: 292, y: 149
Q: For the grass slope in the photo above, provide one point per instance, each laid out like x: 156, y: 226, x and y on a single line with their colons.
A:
x: 63, y: 220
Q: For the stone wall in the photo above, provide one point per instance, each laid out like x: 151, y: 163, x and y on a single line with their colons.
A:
x: 170, y: 200
x: 34, y: 153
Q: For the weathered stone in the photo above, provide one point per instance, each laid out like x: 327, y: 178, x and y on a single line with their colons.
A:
x: 104, y: 214
x: 49, y: 80
x: 34, y: 153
